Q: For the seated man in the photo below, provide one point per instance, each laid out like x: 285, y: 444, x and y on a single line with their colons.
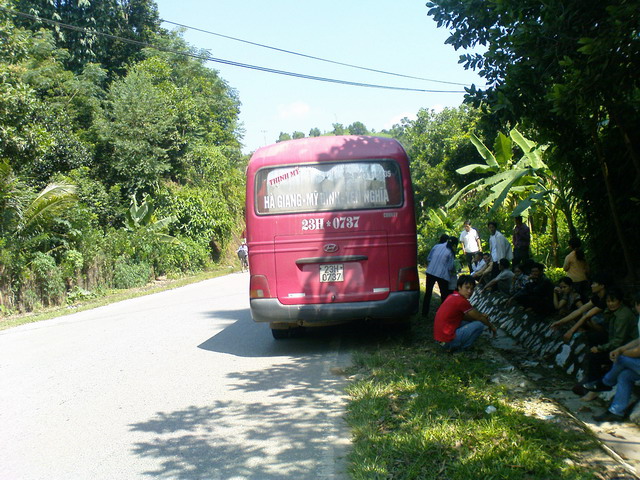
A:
x: 588, y: 315
x: 503, y: 280
x: 457, y: 324
x: 483, y: 275
x: 622, y: 329
x: 537, y: 294
x: 624, y: 374
x: 477, y: 263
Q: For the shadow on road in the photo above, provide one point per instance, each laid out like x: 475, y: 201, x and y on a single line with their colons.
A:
x: 246, y: 338
x: 287, y: 424
x: 279, y: 422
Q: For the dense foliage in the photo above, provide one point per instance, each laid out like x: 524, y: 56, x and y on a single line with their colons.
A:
x: 94, y: 131
x: 568, y: 72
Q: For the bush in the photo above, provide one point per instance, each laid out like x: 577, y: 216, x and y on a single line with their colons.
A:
x: 202, y: 214
x: 186, y: 257
x: 71, y: 266
x: 78, y: 294
x: 48, y: 279
x: 130, y: 275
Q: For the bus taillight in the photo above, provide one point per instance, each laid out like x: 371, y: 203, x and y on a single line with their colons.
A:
x: 408, y: 279
x: 259, y: 287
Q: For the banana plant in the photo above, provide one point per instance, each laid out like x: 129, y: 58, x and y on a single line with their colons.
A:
x: 511, y: 179
x: 525, y: 183
x: 142, y: 217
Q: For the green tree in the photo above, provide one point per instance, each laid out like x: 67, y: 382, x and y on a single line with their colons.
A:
x: 39, y: 131
x: 136, y: 132
x: 338, y: 129
x: 358, y: 128
x: 315, y: 132
x: 296, y: 135
x: 136, y: 20
x: 438, y: 143
x: 283, y: 137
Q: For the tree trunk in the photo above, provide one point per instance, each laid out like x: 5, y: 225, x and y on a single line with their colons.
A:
x: 553, y: 221
x: 614, y: 211
x: 627, y: 143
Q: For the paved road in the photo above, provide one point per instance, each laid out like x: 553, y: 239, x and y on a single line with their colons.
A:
x: 180, y: 384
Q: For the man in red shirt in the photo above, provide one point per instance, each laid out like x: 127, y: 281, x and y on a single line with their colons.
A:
x: 457, y: 324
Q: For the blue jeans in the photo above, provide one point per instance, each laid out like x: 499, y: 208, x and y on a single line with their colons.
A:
x: 466, y: 334
x: 624, y: 374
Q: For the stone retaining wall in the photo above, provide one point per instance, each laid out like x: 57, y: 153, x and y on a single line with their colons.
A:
x: 532, y: 332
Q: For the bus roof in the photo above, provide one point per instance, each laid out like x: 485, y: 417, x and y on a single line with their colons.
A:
x: 315, y: 149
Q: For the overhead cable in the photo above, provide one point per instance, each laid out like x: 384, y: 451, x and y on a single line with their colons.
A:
x: 220, y: 60
x: 310, y: 56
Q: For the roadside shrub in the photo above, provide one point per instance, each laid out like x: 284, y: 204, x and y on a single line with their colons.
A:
x: 48, y: 279
x: 30, y: 300
x: 188, y: 256
x: 130, y: 275
x: 71, y: 266
x: 202, y: 214
x: 78, y: 294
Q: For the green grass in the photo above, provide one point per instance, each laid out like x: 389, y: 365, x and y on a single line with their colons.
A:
x: 110, y: 296
x: 418, y: 413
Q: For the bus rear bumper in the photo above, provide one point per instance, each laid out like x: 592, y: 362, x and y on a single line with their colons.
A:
x: 398, y: 305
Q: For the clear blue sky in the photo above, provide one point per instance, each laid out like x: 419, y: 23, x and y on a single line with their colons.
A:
x: 395, y: 36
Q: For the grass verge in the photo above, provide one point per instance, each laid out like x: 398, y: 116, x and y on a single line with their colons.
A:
x: 418, y: 413
x: 110, y: 296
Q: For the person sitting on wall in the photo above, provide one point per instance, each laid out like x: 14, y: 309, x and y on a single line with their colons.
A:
x: 483, y: 275
x: 622, y: 329
x: 502, y: 282
x: 565, y: 298
x: 478, y: 262
x: 519, y: 280
x: 537, y: 293
x: 623, y: 375
x: 457, y: 324
x: 589, y: 315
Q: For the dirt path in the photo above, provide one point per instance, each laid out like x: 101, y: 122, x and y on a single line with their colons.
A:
x: 546, y: 393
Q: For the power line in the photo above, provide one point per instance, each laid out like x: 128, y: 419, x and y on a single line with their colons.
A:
x: 220, y: 60
x: 310, y: 56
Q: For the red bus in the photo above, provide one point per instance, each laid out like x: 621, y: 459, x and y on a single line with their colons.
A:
x: 331, y: 232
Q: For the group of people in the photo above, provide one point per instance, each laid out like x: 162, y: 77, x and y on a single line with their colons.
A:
x: 579, y: 304
x: 443, y: 266
x: 457, y: 324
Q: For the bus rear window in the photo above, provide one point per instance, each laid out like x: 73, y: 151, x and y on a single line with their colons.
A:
x: 328, y: 186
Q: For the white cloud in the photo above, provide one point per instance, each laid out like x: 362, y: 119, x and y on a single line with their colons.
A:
x: 293, y: 110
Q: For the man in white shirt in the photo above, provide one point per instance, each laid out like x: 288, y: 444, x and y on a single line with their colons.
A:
x: 499, y: 246
x: 470, y: 241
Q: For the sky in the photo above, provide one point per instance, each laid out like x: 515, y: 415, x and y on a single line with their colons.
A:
x: 390, y: 35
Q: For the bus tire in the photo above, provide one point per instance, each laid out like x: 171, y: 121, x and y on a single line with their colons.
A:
x: 280, y: 333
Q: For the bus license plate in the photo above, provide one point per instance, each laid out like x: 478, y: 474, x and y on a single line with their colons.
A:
x: 333, y: 272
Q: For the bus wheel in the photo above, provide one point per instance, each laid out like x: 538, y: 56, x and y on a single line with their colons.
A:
x: 280, y: 333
